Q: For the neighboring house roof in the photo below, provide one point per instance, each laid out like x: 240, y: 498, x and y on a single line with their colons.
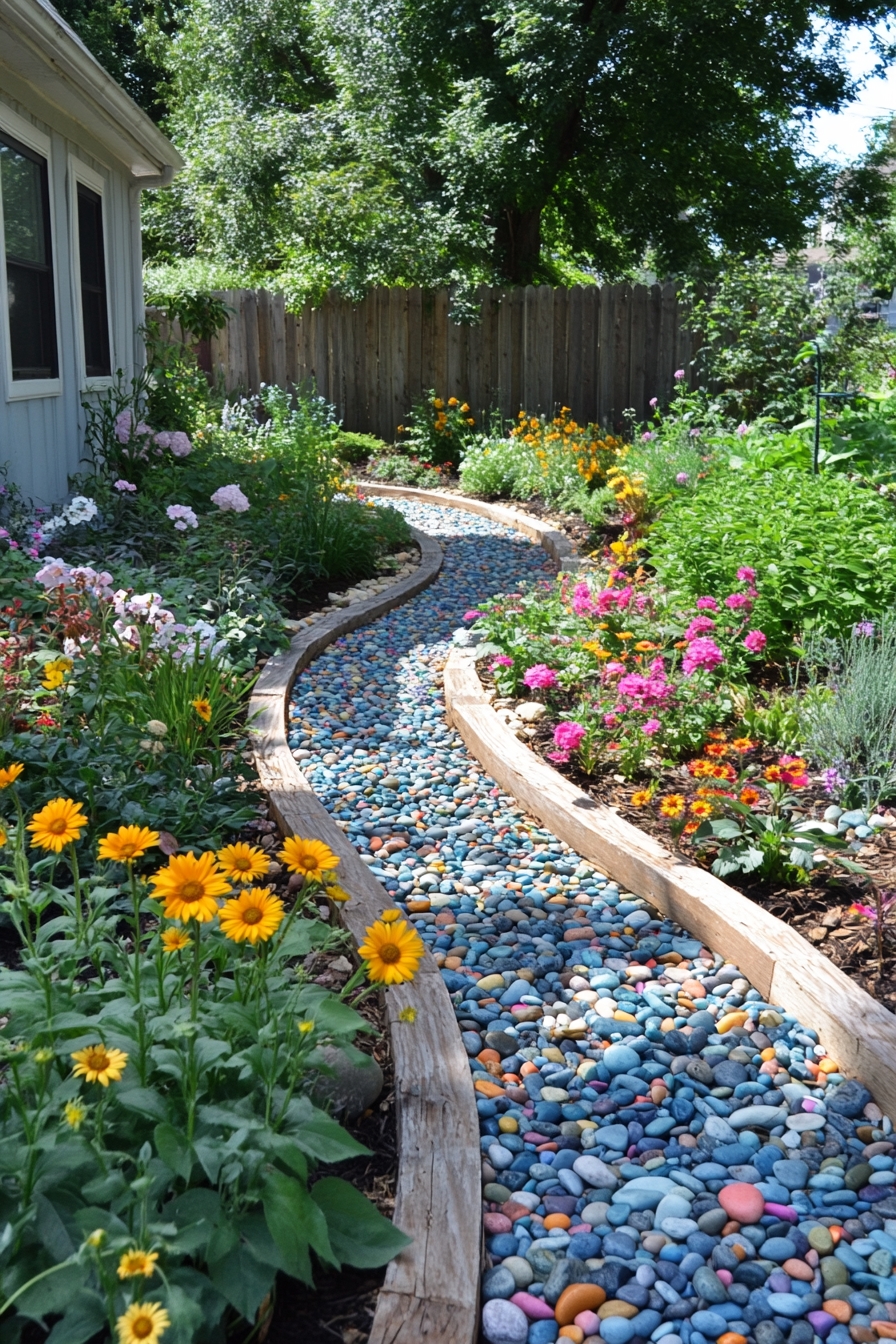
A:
x: 39, y: 50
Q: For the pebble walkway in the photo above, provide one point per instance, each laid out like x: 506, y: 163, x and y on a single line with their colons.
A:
x: 665, y: 1156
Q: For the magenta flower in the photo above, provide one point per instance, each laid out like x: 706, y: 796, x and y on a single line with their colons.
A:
x: 701, y: 653
x: 755, y: 641
x: 653, y: 402
x: 611, y: 720
x: 123, y: 486
x: 682, y: 478
x: 560, y: 757
x: 471, y: 615
x: 706, y: 604
x: 742, y: 429
x: 647, y: 437
x: 746, y: 574
x: 738, y: 602
x: 501, y: 661
x: 679, y: 374
x: 582, y: 604
x: 568, y: 736
x: 651, y: 726
x: 700, y: 625
x: 540, y: 677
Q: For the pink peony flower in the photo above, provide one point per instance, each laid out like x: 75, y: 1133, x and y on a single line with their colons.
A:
x: 611, y: 720
x: 582, y: 604
x: 738, y: 602
x: 700, y: 625
x: 568, y: 736
x: 54, y: 574
x: 230, y: 497
x: 653, y: 402
x: 746, y: 574
x: 651, y: 726
x: 123, y: 486
x: 706, y: 604
x: 501, y: 661
x: 755, y: 641
x: 540, y: 677
x: 701, y: 653
x: 647, y: 437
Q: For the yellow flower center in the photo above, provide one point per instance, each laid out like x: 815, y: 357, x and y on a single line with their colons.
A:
x: 242, y: 864
x: 191, y: 891
x: 252, y: 915
x: 389, y: 953
x: 141, y: 1326
x: 97, y: 1060
x: 58, y: 826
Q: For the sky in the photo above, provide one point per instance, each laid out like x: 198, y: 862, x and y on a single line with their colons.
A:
x: 842, y: 135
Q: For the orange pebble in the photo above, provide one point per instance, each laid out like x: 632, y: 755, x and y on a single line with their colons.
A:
x: 573, y: 1332
x: 578, y: 1297
x: 732, y: 1225
x: 546, y: 1148
x: 836, y: 1233
x: 558, y: 1220
x: 841, y: 1311
x: 828, y: 1066
x: 886, y: 1329
x: 527, y: 1068
x: 732, y: 1337
x: 798, y: 1269
x: 489, y: 1057
x: 767, y: 1053
x: 812, y: 1067
x: 739, y: 1251
x: 488, y: 1089
x: 511, y: 1078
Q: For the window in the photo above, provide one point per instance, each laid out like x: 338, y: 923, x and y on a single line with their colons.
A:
x: 25, y: 198
x: 94, y: 305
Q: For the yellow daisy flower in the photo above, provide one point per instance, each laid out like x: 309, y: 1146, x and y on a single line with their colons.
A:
x: 311, y: 858
x: 203, y: 708
x: 142, y: 1323
x: 57, y: 824
x: 137, y: 1264
x: 337, y: 893
x: 175, y: 940
x: 74, y: 1115
x: 10, y: 773
x: 127, y: 843
x: 190, y: 886
x: 392, y: 952
x: 390, y: 916
x: 243, y: 863
x: 408, y: 1015
x: 99, y: 1064
x: 253, y: 916
x: 305, y: 1027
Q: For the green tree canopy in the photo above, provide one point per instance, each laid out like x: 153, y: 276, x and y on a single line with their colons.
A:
x: 423, y: 141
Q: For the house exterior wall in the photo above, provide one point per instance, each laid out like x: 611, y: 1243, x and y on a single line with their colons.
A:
x: 42, y: 435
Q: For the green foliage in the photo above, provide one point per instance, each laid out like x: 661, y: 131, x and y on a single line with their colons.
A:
x: 199, y: 312
x: 496, y: 469
x: 824, y: 550
x: 354, y: 448
x: 438, y: 431
x: 774, y: 845
x: 851, y: 728
x: 404, y: 470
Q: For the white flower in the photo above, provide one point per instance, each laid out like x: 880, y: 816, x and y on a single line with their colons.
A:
x: 54, y: 574
x: 182, y: 516
x: 230, y: 497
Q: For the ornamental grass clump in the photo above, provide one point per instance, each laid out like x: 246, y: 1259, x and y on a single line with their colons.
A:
x: 160, y: 1046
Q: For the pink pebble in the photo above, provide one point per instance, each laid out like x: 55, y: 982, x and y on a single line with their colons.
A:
x: 808, y: 1104
x: 518, y: 1005
x: 632, y: 1150
x: 782, y: 1211
x: 811, y: 1257
x: 497, y: 1222
x: 725, y: 1276
x: 742, y: 1202
x: 533, y: 1138
x: 579, y: 1227
x: 588, y: 1321
x: 533, y: 1307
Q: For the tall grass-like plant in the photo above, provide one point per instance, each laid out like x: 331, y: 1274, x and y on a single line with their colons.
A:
x: 852, y: 731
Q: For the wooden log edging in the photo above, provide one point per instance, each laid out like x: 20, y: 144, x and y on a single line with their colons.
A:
x: 557, y: 544
x: 431, y: 1289
x: 858, y: 1031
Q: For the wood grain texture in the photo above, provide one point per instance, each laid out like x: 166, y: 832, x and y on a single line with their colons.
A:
x: 428, y: 1294
x: 859, y: 1033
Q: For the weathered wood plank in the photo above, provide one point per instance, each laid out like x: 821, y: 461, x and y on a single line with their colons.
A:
x: 586, y: 409
x: 606, y: 356
x: 637, y: 362
x: 253, y: 352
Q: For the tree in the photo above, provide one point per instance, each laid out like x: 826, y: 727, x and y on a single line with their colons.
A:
x: 442, y: 139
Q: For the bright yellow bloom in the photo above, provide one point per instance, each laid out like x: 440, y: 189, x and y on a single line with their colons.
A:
x: 175, y: 940
x: 203, y: 708
x: 142, y: 1323
x: 311, y: 858
x: 10, y: 773
x: 337, y: 893
x: 252, y: 916
x: 390, y: 916
x: 701, y: 808
x: 137, y: 1264
x: 392, y: 952
x: 305, y: 1027
x: 2, y: 837
x: 55, y: 673
x: 74, y: 1115
x: 99, y: 1064
x: 452, y: 401
x: 408, y: 1015
x: 57, y: 824
x: 243, y: 863
x: 127, y: 843
x: 438, y: 403
x: 641, y: 798
x: 672, y: 805
x: 96, y: 1238
x: 190, y: 887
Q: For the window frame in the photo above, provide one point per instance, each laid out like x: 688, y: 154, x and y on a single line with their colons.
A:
x: 79, y: 171
x: 36, y: 140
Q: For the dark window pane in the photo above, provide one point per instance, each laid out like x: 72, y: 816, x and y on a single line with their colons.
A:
x: 25, y: 198
x: 94, y: 307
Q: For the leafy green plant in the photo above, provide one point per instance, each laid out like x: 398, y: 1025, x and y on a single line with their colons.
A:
x: 354, y: 448
x: 405, y: 470
x: 438, y: 431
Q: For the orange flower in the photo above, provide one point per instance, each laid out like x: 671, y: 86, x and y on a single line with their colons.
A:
x: 716, y: 748
x: 716, y: 735
x: 645, y: 645
x: 723, y: 772
x: 743, y: 744
x: 749, y: 796
x: 640, y: 798
x: 691, y: 827
x: 672, y: 805
x: 700, y: 769
x: 774, y: 774
x: 701, y: 808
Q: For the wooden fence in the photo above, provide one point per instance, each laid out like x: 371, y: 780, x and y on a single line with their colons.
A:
x: 596, y: 350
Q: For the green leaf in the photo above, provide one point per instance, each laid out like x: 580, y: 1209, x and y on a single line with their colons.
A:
x: 222, y: 1241
x: 243, y: 1279
x: 186, y: 1315
x: 174, y: 1149
x: 359, y: 1234
x: 194, y: 1205
x: 85, y: 1317
x: 326, y: 1140
x: 208, y: 1151
x: 144, y: 1100
x: 53, y: 1294
x: 296, y: 1223
x: 52, y: 1230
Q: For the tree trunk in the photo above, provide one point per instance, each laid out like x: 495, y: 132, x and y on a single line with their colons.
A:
x: 518, y: 244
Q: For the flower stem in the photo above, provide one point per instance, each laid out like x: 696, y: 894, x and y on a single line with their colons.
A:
x: 76, y: 882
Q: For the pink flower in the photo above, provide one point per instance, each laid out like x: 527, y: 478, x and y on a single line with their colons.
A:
x: 700, y: 625
x: 568, y: 736
x: 746, y: 574
x: 695, y: 433
x: 653, y: 402
x: 182, y: 516
x: 501, y: 661
x: 582, y: 604
x: 611, y: 720
x: 122, y: 486
x: 706, y: 604
x: 742, y: 429
x: 177, y: 441
x: 471, y: 615
x: 679, y: 374
x: 755, y: 641
x: 54, y: 574
x: 651, y: 726
x: 614, y: 669
x: 561, y: 757
x: 738, y: 602
x: 647, y: 437
x: 701, y: 653
x: 540, y: 677
x: 682, y: 478
x: 230, y: 497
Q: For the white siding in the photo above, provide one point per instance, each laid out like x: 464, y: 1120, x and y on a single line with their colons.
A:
x: 42, y: 438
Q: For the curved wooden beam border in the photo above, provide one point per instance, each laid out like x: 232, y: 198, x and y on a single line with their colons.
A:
x: 557, y: 544
x: 431, y: 1289
x: 855, y: 1028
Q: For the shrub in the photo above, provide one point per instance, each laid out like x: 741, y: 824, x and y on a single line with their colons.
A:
x: 495, y: 469
x: 358, y: 447
x: 826, y: 549
x: 438, y: 430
